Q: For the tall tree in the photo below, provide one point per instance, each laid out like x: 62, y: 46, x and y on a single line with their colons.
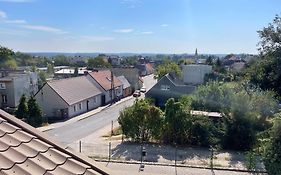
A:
x: 22, y: 110
x: 266, y: 72
x: 98, y: 62
x: 34, y: 113
x: 167, y: 67
x: 141, y: 121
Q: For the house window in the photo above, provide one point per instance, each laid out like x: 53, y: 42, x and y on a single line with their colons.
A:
x: 80, y: 106
x: 74, y: 108
x: 165, y: 87
x: 94, y: 99
x: 4, y: 98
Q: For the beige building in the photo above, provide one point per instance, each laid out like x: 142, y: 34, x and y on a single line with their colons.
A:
x: 67, y: 98
x: 195, y: 73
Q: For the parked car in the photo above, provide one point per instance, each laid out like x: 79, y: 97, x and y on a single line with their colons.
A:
x: 143, y: 89
x: 137, y: 93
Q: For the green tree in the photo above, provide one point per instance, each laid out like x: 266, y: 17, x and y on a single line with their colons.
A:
x: 175, y: 122
x: 41, y: 79
x: 266, y: 72
x: 209, y: 60
x: 98, y: 62
x: 272, y: 154
x: 141, y: 121
x: 34, y: 113
x: 10, y: 64
x: 61, y: 60
x: 6, y: 58
x: 50, y: 69
x: 22, y: 109
x: 167, y: 67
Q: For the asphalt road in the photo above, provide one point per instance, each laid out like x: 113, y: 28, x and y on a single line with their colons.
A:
x: 75, y: 131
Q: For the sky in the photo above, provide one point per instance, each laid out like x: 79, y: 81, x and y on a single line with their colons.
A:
x: 135, y: 26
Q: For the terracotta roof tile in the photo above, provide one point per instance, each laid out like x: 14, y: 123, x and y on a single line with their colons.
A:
x: 26, y: 151
x: 103, y: 77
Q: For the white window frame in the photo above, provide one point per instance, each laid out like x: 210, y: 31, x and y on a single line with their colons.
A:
x: 165, y: 87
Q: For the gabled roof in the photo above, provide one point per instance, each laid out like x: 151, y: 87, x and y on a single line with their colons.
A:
x: 103, y: 78
x: 124, y: 81
x: 26, y: 150
x: 74, y: 90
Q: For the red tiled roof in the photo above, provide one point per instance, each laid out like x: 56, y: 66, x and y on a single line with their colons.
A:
x: 103, y: 77
x: 25, y: 150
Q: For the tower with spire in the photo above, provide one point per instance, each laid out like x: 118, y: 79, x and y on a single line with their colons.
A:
x: 196, y: 56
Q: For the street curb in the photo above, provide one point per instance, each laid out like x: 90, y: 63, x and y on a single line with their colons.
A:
x: 179, y: 165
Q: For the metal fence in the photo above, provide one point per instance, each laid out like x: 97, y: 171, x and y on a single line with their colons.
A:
x: 165, y: 154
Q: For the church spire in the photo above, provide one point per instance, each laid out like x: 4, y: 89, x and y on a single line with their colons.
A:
x: 196, y: 52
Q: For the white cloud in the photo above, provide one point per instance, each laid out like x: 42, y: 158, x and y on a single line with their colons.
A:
x: 3, y: 14
x: 147, y: 33
x: 164, y: 25
x: 124, y: 30
x: 96, y: 38
x: 16, y: 21
x: 17, y: 1
x: 44, y: 28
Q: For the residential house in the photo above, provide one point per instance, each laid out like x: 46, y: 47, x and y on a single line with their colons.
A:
x: 69, y: 97
x: 169, y: 86
x: 14, y: 84
x: 69, y: 72
x: 131, y: 74
x: 145, y: 69
x: 127, y: 90
x: 194, y: 74
x: 114, y: 60
x: 108, y: 83
x: 26, y: 150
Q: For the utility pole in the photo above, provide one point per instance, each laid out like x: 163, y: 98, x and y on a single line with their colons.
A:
x: 112, y: 93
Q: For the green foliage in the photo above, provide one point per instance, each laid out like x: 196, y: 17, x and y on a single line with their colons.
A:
x: 266, y: 71
x: 50, y: 68
x: 98, y: 62
x: 214, y: 96
x: 10, y: 64
x: 22, y: 109
x: 246, y: 108
x: 141, y: 121
x: 272, y: 155
x: 34, y: 113
x: 61, y: 60
x: 167, y: 67
x: 175, y: 122
x: 42, y: 79
x: 181, y: 127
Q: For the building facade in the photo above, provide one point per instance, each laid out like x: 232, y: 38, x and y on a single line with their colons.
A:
x: 14, y: 85
x: 67, y: 98
x: 168, y: 87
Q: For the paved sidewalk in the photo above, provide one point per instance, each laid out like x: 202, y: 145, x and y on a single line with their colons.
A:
x: 81, y: 116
